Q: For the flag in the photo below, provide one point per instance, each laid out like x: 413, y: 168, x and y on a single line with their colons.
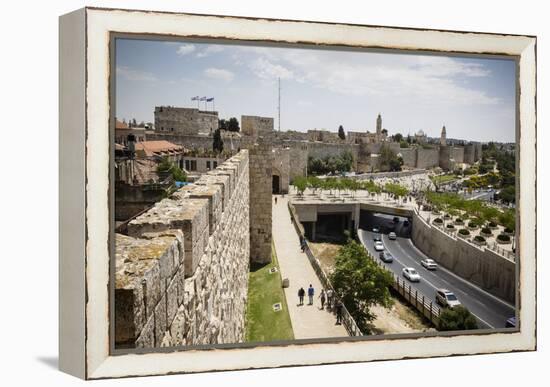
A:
x: 195, y: 98
x: 202, y: 99
x: 210, y: 99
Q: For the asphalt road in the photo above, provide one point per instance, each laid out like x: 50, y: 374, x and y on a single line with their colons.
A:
x: 490, y: 311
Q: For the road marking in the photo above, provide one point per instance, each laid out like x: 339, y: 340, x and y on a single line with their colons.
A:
x: 463, y: 280
x: 365, y: 244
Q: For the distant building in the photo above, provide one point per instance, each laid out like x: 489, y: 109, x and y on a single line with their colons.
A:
x: 122, y: 130
x: 255, y: 126
x: 420, y: 137
x: 443, y: 140
x: 185, y: 121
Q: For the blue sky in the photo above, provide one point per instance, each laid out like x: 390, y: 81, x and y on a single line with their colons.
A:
x: 474, y: 98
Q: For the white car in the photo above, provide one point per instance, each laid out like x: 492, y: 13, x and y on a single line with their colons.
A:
x: 446, y: 298
x: 392, y: 236
x: 429, y: 264
x: 376, y: 229
x: 378, y: 246
x: 411, y: 274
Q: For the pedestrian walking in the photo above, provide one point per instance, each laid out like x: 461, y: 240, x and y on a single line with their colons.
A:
x: 302, y: 243
x: 275, y: 199
x: 330, y: 296
x: 301, y: 294
x: 310, y: 293
x: 339, y: 310
x: 322, y: 296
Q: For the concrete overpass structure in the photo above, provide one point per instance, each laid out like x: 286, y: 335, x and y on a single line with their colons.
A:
x: 332, y: 216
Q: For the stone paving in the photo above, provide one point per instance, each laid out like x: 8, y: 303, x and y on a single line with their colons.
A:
x: 308, y: 321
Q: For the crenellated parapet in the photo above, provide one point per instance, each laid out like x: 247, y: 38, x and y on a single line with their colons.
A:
x: 182, y: 270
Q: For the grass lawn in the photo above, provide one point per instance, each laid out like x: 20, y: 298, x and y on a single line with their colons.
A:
x: 264, y: 290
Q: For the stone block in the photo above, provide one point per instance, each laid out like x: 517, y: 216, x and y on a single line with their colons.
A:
x: 207, y: 189
x: 171, y: 301
x: 147, y: 337
x: 161, y: 322
x: 178, y: 327
x: 138, y: 279
x: 129, y: 314
x: 229, y: 183
x: 188, y: 215
x: 173, y: 256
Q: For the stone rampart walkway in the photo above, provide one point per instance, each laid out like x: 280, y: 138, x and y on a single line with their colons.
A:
x: 308, y: 321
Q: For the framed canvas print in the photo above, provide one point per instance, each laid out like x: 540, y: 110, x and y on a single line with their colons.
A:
x: 242, y: 193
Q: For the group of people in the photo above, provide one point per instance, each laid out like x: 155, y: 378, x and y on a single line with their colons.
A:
x: 326, y: 297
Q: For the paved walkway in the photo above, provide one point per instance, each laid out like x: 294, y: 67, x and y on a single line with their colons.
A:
x: 308, y: 321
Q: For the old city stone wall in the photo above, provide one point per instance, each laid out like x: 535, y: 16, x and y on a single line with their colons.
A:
x: 281, y: 167
x: 445, y: 158
x: 427, y: 158
x: 297, y: 158
x: 457, y: 154
x: 182, y: 271
x: 322, y: 150
x: 190, y: 121
x: 409, y: 156
x: 261, y: 165
x: 469, y: 153
x: 479, y: 265
x: 256, y: 126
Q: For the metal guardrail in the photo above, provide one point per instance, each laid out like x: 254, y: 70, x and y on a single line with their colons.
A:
x: 420, y: 302
x: 347, y: 320
x: 510, y: 255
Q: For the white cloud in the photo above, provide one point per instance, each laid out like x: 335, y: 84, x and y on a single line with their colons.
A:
x: 211, y: 49
x: 134, y: 75
x: 267, y: 70
x: 428, y: 78
x: 185, y: 49
x: 221, y: 74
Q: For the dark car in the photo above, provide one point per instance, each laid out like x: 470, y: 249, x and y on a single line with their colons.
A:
x: 406, y: 223
x: 511, y: 322
x: 395, y: 219
x: 375, y: 228
x: 386, y: 257
x: 376, y: 237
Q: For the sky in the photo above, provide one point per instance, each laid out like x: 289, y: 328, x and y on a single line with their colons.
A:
x: 321, y: 88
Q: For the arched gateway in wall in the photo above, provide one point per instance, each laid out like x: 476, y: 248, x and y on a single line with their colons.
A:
x: 276, y: 181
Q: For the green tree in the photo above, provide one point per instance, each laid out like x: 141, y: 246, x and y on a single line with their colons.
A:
x: 458, y: 318
x: 508, y: 194
x: 233, y: 125
x: 222, y: 124
x: 389, y: 159
x: 217, y: 142
x: 166, y: 166
x: 397, y: 137
x: 360, y: 283
x: 300, y: 183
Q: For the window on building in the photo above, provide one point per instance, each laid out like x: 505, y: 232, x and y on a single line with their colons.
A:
x: 215, y: 164
x: 208, y: 165
x: 193, y: 165
x: 187, y: 165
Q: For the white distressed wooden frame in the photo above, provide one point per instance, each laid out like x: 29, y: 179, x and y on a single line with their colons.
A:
x: 84, y: 190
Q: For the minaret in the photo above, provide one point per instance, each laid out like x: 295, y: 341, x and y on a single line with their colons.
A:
x: 379, y: 125
x: 443, y: 140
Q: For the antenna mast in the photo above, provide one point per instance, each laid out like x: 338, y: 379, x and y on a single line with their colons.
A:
x: 279, y: 107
